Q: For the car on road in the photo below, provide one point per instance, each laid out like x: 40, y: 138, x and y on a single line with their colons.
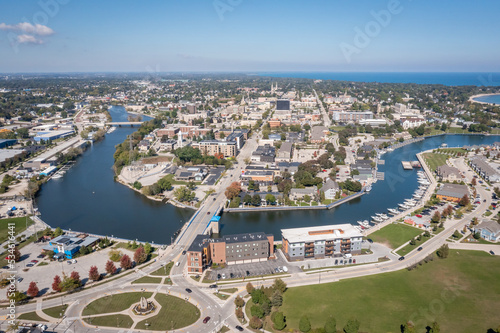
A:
x: 184, y: 252
x: 212, y: 286
x: 484, y: 200
x: 370, y: 240
x: 214, y: 199
x: 206, y: 320
x: 223, y: 276
x: 218, y: 276
x: 401, y: 258
x: 20, y: 279
x: 208, y: 213
x: 492, y: 253
x: 239, y: 328
x: 189, y: 291
x: 420, y: 249
x: 336, y: 261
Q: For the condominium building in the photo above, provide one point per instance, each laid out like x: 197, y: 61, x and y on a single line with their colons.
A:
x: 351, y: 116
x: 214, y: 147
x: 320, y: 242
x: 232, y: 249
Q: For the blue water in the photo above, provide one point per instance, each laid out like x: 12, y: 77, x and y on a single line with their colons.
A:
x: 448, y: 79
x: 489, y: 99
x: 399, y: 184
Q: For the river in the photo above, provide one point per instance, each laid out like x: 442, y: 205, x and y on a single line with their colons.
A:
x: 87, y: 199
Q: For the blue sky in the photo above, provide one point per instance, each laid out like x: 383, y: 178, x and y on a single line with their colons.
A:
x: 249, y: 35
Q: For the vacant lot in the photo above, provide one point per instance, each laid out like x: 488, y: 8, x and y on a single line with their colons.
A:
x: 395, y: 235
x: 460, y: 292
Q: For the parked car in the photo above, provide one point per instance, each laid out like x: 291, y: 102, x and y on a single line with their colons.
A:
x: 218, y: 276
x: 418, y: 215
x: 212, y: 286
x: 34, y: 261
x: 183, y: 252
x: 19, y: 279
x: 206, y: 320
x: 492, y: 253
x: 239, y: 328
x: 353, y: 261
x: 223, y: 276
x: 370, y: 240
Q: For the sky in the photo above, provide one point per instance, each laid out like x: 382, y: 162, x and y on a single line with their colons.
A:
x: 249, y: 36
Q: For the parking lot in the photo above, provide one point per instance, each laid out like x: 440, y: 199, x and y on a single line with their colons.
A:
x: 252, y: 269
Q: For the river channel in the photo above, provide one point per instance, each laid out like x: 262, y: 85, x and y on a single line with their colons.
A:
x: 87, y: 199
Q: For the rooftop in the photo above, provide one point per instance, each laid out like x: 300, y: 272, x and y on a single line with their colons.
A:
x: 327, y: 232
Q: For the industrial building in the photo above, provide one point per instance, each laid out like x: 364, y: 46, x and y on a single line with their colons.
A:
x: 52, y: 135
x: 320, y: 242
x: 232, y: 249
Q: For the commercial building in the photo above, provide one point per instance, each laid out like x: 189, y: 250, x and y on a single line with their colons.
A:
x: 318, y: 134
x: 452, y: 192
x: 264, y: 153
x: 285, y: 152
x: 351, y: 116
x: 7, y: 142
x: 52, y: 135
x: 283, y: 105
x: 232, y: 249
x: 261, y: 176
x: 65, y: 246
x: 320, y: 242
x: 190, y: 174
x: 214, y: 147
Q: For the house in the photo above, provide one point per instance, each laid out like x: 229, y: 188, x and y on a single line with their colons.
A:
x: 448, y: 173
x: 143, y: 145
x: 330, y: 188
x: 452, y: 192
x: 489, y: 230
x: 190, y: 174
x: 300, y: 193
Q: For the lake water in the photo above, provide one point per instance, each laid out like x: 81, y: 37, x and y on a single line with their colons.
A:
x: 489, y: 99
x: 87, y: 199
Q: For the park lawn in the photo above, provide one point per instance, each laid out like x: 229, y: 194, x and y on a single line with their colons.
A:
x: 114, y: 303
x: 222, y: 296
x: 408, y: 248
x: 20, y: 223
x: 453, y: 150
x: 434, y: 160
x: 395, y: 235
x: 229, y: 290
x: 56, y: 311
x: 30, y: 316
x: 175, y: 313
x: 163, y: 271
x: 460, y: 292
x: 116, y: 320
x: 147, y: 279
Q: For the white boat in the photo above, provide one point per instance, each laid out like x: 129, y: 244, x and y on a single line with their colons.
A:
x: 57, y: 176
x: 417, y: 196
x: 424, y: 182
x: 411, y: 204
x: 403, y: 206
x: 377, y: 219
x: 368, y: 188
x: 383, y: 216
x: 393, y: 211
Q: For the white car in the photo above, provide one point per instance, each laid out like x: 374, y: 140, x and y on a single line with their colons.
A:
x: 285, y: 269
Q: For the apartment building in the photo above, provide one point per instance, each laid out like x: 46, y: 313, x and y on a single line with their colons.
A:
x: 214, y: 147
x: 351, y: 116
x: 320, y: 242
x: 231, y: 249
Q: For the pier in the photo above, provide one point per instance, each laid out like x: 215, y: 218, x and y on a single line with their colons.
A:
x: 406, y: 165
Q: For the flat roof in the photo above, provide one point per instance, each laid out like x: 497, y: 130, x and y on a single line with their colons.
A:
x: 326, y: 232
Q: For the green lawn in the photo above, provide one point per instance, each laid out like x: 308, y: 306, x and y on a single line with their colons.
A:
x: 31, y: 316
x: 20, y: 226
x: 395, y: 235
x: 56, y: 311
x: 147, y: 279
x: 434, y: 160
x: 452, y: 150
x: 408, y: 248
x: 460, y: 292
x: 229, y: 290
x: 114, y: 303
x: 164, y: 271
x: 222, y: 296
x: 175, y: 313
x: 116, y: 320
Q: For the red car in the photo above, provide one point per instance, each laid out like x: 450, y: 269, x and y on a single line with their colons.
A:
x: 418, y: 215
x: 206, y: 320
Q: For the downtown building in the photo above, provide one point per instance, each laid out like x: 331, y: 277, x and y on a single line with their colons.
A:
x: 232, y: 249
x: 320, y: 242
x: 215, y: 147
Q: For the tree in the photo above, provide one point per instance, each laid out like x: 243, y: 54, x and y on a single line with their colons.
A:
x: 56, y: 285
x: 278, y: 320
x: 256, y: 200
x: 331, y: 325
x: 270, y: 199
x: 352, y: 326
x: 257, y: 311
x: 473, y: 182
x: 250, y: 287
x: 408, y: 328
x: 304, y: 324
x: 276, y: 299
x: 58, y: 232
x: 233, y: 190
x: 164, y: 184
x: 247, y: 199
x: 191, y: 185
x: 125, y: 262
x: 464, y: 201
x: 184, y: 194
x: 69, y: 283
x: 255, y: 323
x: 16, y: 254
x: 436, y: 217
x: 76, y: 277
x: 32, y: 290
x: 140, y: 255
x: 94, y: 274
x: 239, y: 313
x: 110, y: 267
x: 115, y: 255
x: 435, y: 328
x: 16, y: 296
x: 239, y: 302
x: 477, y: 235
x: 279, y: 285
x: 307, y: 198
x: 443, y: 251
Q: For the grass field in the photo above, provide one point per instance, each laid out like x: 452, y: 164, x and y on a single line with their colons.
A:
x: 116, y: 320
x: 114, y: 303
x: 56, y: 311
x: 31, y: 316
x: 175, y: 313
x: 460, y: 292
x: 147, y: 279
x: 20, y: 223
x: 164, y: 271
x: 452, y: 150
x: 395, y: 235
x: 408, y: 248
x: 434, y: 160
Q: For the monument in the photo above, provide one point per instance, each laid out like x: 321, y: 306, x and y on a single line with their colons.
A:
x: 144, y: 307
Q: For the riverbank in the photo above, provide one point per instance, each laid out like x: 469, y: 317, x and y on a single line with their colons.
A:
x: 472, y: 99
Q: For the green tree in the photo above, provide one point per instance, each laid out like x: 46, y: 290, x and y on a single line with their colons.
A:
x: 408, y: 327
x: 270, y: 199
x: 247, y: 199
x: 352, y: 326
x: 276, y: 299
x: 278, y: 320
x: 257, y: 311
x: 304, y: 324
x: 58, y: 232
x: 235, y: 203
x: 148, y: 248
x: 249, y: 287
x: 443, y: 251
x: 137, y: 185
x: 256, y: 200
x: 165, y: 184
x: 279, y: 285
x: 331, y: 325
x: 239, y: 302
x: 17, y: 296
x: 435, y: 328
x: 184, y: 194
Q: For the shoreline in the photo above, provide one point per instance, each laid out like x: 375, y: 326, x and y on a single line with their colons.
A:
x: 472, y: 98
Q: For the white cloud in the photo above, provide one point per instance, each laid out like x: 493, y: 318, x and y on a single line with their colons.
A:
x: 37, y: 29
x: 22, y: 39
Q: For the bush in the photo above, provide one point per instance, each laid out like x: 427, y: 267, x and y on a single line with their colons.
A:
x: 278, y: 320
x: 443, y: 251
x: 115, y: 255
x: 304, y: 324
x: 255, y: 323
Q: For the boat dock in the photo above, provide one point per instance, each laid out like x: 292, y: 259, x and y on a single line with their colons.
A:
x: 407, y: 165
